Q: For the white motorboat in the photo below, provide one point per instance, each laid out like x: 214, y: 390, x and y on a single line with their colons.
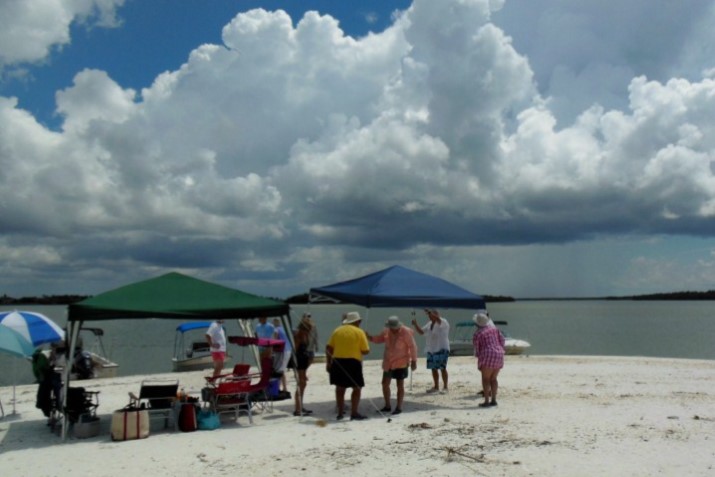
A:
x: 91, y: 360
x: 319, y: 358
x: 460, y: 343
x: 192, y: 351
x: 102, y: 366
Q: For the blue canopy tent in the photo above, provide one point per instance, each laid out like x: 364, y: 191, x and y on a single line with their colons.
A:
x: 400, y: 287
x: 193, y: 325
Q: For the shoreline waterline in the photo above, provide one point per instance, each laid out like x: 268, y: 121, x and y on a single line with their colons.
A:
x: 557, y: 415
x: 599, y: 328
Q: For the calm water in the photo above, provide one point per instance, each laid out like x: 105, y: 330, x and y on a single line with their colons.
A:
x: 617, y: 328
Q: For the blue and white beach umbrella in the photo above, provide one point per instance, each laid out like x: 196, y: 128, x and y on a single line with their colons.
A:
x: 12, y: 342
x: 34, y: 327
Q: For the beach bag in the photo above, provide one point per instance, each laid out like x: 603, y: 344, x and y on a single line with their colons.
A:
x: 130, y: 423
x: 208, y: 420
x: 207, y: 394
x: 187, y: 417
x: 88, y: 426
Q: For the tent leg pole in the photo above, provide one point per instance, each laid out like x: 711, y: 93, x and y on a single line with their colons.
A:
x: 287, y: 322
x: 411, y: 371
x: 248, y: 331
x: 73, y: 328
x: 14, y: 379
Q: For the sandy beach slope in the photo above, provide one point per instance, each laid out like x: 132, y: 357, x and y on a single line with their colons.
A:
x: 560, y: 416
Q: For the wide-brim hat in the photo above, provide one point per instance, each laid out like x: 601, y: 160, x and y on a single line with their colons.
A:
x: 393, y: 322
x: 351, y: 317
x: 481, y: 319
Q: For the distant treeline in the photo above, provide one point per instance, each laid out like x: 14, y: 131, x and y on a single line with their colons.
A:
x: 69, y: 299
x: 304, y: 297
x: 682, y: 295
x: 42, y: 300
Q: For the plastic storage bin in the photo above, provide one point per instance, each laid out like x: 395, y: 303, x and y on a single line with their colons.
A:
x: 87, y: 426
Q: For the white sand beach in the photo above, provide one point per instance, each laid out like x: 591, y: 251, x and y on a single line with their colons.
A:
x: 560, y: 416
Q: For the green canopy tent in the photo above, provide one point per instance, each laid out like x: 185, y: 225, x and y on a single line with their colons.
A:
x: 170, y: 296
x: 174, y: 296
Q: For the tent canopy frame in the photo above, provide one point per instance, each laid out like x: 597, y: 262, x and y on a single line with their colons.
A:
x: 170, y: 296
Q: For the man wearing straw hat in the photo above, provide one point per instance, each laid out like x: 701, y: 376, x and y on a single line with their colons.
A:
x: 343, y: 360
x: 400, y: 353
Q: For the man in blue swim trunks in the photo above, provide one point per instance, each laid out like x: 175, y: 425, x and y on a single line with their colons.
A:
x: 436, y: 333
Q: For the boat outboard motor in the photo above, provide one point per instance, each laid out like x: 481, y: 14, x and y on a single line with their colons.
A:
x: 82, y: 364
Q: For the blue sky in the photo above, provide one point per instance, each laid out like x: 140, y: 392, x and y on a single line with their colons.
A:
x: 156, y: 36
x: 525, y: 148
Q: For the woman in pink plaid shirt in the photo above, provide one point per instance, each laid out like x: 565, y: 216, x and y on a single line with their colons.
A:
x: 489, y: 350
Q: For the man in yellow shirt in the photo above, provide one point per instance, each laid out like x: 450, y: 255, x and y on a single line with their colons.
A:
x: 344, y: 352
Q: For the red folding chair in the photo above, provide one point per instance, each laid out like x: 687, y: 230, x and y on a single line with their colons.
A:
x: 231, y: 393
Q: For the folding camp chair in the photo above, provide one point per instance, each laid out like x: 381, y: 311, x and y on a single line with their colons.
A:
x: 266, y: 390
x: 157, y: 397
x: 239, y: 371
x: 81, y: 402
x: 80, y: 408
x: 232, y: 393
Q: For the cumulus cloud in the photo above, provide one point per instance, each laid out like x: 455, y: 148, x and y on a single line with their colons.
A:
x: 94, y: 97
x: 293, y: 146
x: 585, y: 52
x: 31, y: 29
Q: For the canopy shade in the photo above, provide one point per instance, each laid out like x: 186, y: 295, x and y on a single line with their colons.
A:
x: 193, y: 325
x: 277, y: 345
x: 175, y: 296
x: 12, y: 342
x: 398, y: 286
x: 34, y: 327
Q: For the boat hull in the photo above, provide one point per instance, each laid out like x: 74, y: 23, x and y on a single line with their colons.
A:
x: 103, y: 368
x: 197, y: 363
x: 511, y: 347
x: 319, y: 358
x: 461, y: 348
x: 515, y: 347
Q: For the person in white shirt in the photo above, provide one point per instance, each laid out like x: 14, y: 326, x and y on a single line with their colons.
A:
x: 216, y: 337
x: 437, y: 347
x: 280, y: 334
